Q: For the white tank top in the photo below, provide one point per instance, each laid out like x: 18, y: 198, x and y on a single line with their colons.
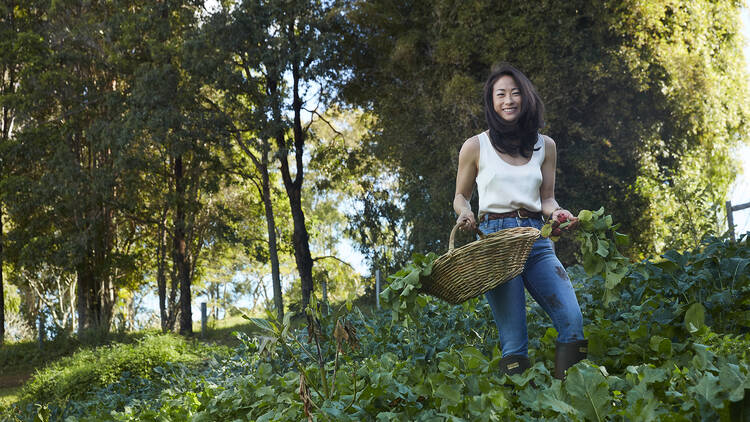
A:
x: 505, y: 187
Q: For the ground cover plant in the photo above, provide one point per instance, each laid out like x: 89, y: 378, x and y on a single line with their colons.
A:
x: 72, y: 377
x: 668, y: 340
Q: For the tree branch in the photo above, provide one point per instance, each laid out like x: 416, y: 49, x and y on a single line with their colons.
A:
x: 320, y: 116
x: 333, y: 257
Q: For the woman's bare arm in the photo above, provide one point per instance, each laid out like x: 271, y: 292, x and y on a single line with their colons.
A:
x: 468, y: 164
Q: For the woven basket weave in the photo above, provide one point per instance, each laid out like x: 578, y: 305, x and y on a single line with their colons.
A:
x: 475, y: 268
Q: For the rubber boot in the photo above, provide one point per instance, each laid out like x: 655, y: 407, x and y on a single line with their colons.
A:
x: 568, y: 354
x: 514, y: 364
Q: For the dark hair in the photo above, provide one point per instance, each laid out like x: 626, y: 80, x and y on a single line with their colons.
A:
x: 526, y: 127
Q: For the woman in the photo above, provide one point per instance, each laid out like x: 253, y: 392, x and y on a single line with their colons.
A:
x: 514, y: 168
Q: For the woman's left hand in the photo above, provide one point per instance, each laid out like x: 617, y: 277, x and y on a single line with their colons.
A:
x: 562, y: 216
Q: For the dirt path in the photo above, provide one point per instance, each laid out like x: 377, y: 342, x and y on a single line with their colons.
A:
x: 13, y: 381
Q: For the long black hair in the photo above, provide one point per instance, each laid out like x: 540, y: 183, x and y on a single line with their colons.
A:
x: 526, y: 127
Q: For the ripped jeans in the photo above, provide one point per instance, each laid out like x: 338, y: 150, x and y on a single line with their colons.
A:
x: 545, y: 278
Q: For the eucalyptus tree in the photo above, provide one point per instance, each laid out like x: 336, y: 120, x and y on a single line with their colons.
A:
x: 167, y: 108
x: 279, y: 67
x: 234, y: 72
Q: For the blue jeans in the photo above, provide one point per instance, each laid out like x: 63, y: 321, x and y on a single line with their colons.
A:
x: 545, y: 278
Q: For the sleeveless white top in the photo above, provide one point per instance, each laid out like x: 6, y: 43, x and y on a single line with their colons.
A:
x: 505, y: 187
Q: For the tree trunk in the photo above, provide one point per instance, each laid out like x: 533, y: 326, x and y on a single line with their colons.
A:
x: 87, y: 299
x: 2, y: 288
x: 95, y: 299
x: 272, y: 247
x: 300, y: 237
x: 161, y: 276
x: 265, y: 193
x: 180, y: 252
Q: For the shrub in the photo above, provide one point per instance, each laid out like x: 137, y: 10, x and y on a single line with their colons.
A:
x: 73, y: 376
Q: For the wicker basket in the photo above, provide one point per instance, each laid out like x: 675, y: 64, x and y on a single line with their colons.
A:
x: 475, y: 268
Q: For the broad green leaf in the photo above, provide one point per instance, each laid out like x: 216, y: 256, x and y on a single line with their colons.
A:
x: 585, y: 215
x: 498, y: 399
x: 708, y: 387
x: 588, y: 391
x: 638, y: 333
x: 473, y: 358
x: 612, y: 279
x: 641, y: 403
x: 593, y: 264
x: 546, y: 230
x: 704, y: 358
x: 732, y: 380
x: 449, y: 391
x: 661, y: 345
x: 650, y: 374
x: 674, y: 256
x: 695, y: 317
x: 264, y: 325
x: 551, y: 399
x: 602, y: 248
x: 621, y: 239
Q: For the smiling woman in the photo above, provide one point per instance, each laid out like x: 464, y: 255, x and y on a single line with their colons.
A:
x: 513, y: 166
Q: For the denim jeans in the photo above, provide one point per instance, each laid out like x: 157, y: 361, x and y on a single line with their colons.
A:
x: 545, y: 278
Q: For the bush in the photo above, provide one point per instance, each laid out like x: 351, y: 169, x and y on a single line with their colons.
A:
x: 72, y: 377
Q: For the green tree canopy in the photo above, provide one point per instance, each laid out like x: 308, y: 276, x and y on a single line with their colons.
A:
x: 644, y: 100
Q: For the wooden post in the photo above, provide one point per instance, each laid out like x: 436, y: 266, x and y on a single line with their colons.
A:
x: 730, y: 220
x: 204, y: 318
x: 377, y: 288
x: 41, y: 328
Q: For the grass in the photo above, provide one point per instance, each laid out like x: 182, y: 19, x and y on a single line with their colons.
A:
x: 26, y: 356
x: 8, y: 396
x: 73, y: 376
x: 220, y: 331
x: 25, y: 363
x: 25, y: 360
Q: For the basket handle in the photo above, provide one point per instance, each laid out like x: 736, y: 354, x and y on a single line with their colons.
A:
x: 453, y: 236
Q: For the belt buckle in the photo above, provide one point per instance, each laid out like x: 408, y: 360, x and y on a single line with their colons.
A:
x: 518, y: 212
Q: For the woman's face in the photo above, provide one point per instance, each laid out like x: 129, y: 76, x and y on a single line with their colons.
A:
x: 506, y: 98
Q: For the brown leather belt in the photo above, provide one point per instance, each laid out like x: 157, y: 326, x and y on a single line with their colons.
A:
x: 520, y: 213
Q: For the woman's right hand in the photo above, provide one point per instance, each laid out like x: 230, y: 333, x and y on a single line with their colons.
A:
x: 466, y: 221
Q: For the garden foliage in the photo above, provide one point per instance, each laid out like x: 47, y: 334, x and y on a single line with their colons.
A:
x: 670, y: 343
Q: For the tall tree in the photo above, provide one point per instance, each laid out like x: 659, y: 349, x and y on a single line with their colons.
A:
x: 167, y: 107
x: 20, y: 22
x: 619, y: 82
x: 63, y: 198
x: 286, y: 54
x: 234, y: 73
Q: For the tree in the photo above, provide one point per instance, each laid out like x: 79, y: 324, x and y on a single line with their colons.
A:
x: 63, y: 199
x: 285, y: 59
x: 168, y: 109
x: 618, y: 80
x: 234, y: 72
x: 19, y: 45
